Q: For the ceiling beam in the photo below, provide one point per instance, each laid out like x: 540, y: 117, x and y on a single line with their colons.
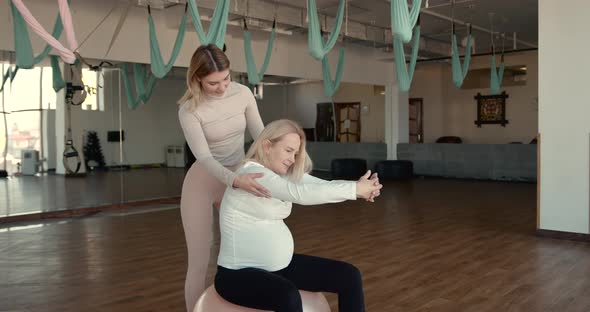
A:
x: 464, y: 23
x: 292, y: 18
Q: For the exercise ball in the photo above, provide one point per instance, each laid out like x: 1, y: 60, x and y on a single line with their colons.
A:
x: 211, y: 301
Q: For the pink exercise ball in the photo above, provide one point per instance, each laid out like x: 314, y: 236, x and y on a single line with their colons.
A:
x: 211, y: 301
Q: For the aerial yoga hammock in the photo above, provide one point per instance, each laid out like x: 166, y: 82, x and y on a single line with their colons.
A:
x: 159, y: 68
x: 404, y: 74
x: 459, y: 72
x: 218, y: 25
x: 255, y: 76
x: 75, y: 94
x: 24, y: 51
x: 402, y: 21
x: 144, y: 90
x: 496, y: 74
x: 331, y: 86
x: 319, y: 50
x: 67, y: 54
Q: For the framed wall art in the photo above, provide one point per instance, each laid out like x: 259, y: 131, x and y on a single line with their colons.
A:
x: 491, y: 109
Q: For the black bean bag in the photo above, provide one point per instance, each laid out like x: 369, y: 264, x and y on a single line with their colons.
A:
x: 449, y: 139
x: 394, y: 169
x: 348, y: 168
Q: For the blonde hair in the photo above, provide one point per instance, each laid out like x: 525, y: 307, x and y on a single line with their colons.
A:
x: 206, y: 60
x: 274, y: 132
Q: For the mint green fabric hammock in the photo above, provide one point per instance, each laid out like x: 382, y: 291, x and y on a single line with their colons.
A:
x: 459, y: 73
x: 218, y: 26
x: 331, y: 86
x: 254, y: 77
x: 58, y: 81
x: 139, y: 75
x: 24, y: 51
x: 8, y: 75
x: 402, y: 21
x: 22, y: 42
x: 159, y: 68
x: 405, y: 75
x: 315, y: 43
x: 496, y: 75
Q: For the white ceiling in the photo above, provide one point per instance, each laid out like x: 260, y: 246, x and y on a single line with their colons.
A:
x: 512, y: 17
x: 509, y: 16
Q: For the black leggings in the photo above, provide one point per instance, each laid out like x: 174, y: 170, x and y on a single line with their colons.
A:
x: 279, y: 291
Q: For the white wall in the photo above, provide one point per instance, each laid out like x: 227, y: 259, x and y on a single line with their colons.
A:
x: 452, y: 111
x: 49, y: 152
x: 299, y: 102
x: 148, y: 129
x: 564, y: 111
x: 373, y: 120
x: 303, y: 99
x: 428, y: 84
x: 273, y: 105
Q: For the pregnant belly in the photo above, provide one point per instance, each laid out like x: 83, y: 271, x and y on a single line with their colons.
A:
x: 266, y: 246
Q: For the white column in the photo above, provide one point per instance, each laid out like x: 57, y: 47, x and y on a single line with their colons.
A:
x: 396, y: 119
x: 60, y: 130
x: 564, y: 116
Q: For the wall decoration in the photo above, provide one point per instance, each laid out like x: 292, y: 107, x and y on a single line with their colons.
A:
x: 491, y: 109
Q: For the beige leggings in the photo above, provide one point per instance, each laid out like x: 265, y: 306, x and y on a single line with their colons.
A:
x: 200, y: 193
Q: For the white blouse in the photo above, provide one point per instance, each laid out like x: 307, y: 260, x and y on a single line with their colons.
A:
x: 253, y: 233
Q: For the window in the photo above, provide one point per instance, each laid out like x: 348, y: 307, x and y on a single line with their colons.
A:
x: 3, y: 119
x: 90, y: 79
x: 49, y: 97
x: 22, y: 103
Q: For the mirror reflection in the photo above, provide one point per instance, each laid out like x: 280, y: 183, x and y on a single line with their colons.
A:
x: 138, y: 155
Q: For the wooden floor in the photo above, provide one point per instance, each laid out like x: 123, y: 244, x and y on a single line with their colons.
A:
x: 425, y: 245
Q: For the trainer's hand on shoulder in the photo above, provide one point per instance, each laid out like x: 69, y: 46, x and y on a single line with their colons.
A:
x: 247, y: 182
